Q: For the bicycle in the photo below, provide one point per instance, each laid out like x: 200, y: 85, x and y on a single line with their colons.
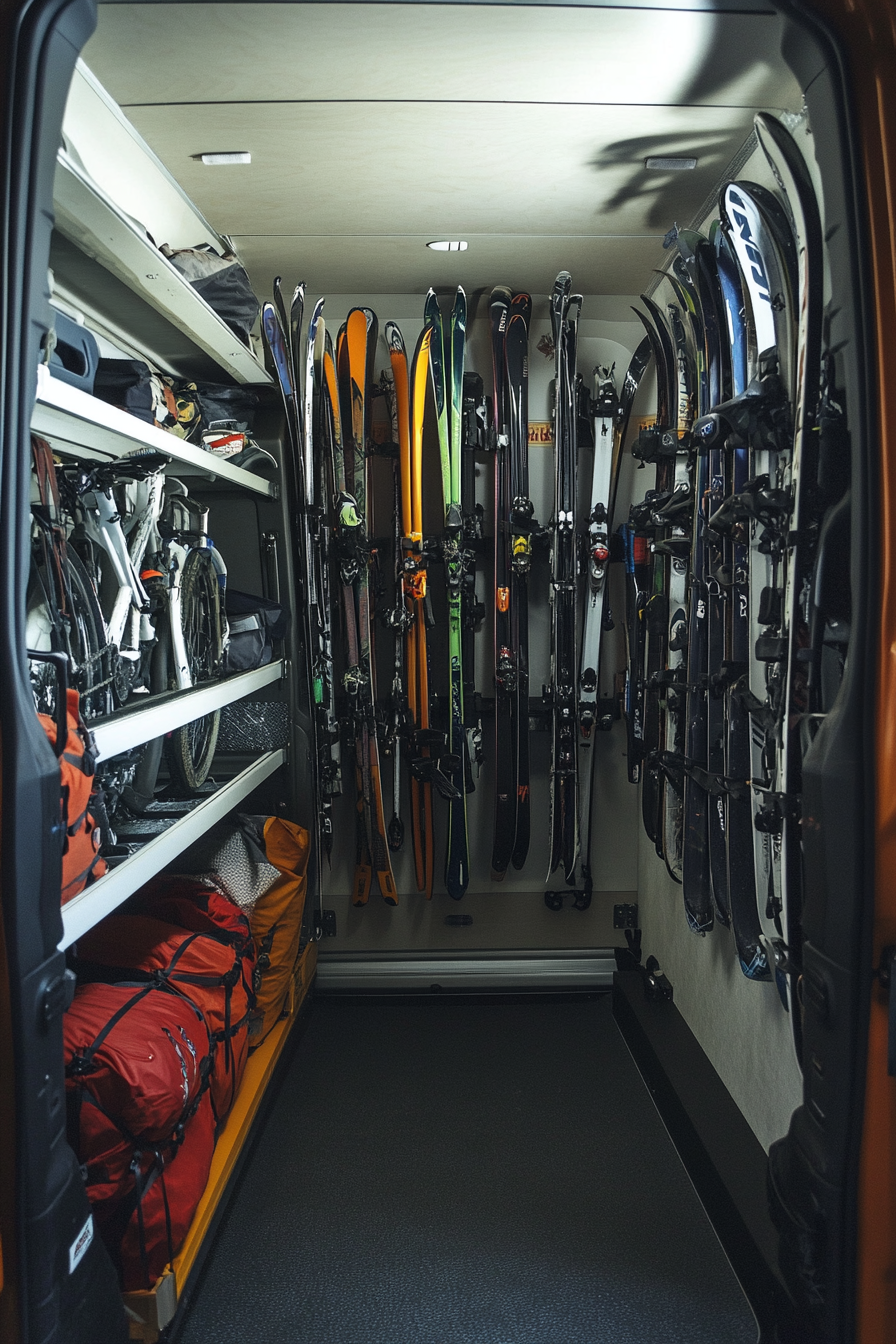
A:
x: 127, y: 583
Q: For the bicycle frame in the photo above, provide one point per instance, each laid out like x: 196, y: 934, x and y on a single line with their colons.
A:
x: 165, y: 522
x: 129, y: 623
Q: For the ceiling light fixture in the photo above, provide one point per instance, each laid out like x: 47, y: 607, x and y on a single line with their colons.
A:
x: 670, y: 165
x: 232, y: 156
x: 456, y: 245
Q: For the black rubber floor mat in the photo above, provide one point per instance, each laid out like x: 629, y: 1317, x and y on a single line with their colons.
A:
x: 465, y: 1174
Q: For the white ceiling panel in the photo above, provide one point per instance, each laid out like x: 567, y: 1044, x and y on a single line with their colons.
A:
x: 279, y: 52
x: 404, y: 265
x: 374, y: 127
x: 386, y: 168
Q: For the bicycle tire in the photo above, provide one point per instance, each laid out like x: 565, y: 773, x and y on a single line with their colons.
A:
x: 83, y: 636
x: 138, y: 795
x: 191, y: 748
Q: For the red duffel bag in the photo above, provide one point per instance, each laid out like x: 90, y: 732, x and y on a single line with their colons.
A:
x: 146, y: 1228
x: 137, y: 1063
x: 138, y: 1056
x: 205, y: 967
x: 195, y: 904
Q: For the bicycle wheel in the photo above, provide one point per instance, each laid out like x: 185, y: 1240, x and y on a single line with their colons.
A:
x: 81, y: 633
x: 138, y: 795
x: 191, y: 748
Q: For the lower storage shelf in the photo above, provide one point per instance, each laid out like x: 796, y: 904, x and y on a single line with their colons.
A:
x: 149, y: 1312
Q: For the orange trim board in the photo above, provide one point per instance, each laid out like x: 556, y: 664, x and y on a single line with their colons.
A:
x: 151, y: 1310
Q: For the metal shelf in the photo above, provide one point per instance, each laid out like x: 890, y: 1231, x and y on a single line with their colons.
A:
x: 104, y: 896
x: 106, y: 235
x: 131, y: 727
x: 77, y: 423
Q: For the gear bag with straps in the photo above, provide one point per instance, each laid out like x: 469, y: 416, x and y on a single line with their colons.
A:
x: 81, y: 860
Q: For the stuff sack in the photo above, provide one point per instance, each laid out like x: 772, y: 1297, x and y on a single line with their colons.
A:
x: 254, y: 623
x: 210, y: 968
x: 222, y: 281
x: 81, y: 860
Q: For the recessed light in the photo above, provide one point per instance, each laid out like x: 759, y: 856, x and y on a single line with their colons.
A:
x: 455, y: 245
x: 232, y: 156
x: 667, y: 165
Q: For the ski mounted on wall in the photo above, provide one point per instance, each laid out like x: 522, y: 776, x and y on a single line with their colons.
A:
x: 476, y: 429
x: 673, y: 515
x: 516, y: 353
x: 505, y: 669
x: 727, y: 782
x: 447, y: 364
x: 594, y: 564
x: 277, y: 333
x: 354, y: 364
x: 415, y: 564
x: 561, y: 693
x: 658, y: 445
x: 761, y: 419
x: 398, y: 620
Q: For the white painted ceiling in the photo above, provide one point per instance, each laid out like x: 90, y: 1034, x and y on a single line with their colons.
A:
x: 375, y: 128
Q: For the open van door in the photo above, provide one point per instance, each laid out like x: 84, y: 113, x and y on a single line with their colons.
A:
x: 58, y: 1283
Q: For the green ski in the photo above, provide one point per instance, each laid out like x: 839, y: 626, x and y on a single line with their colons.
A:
x: 457, y: 861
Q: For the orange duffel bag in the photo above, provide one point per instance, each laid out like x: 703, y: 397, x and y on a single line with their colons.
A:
x: 261, y: 864
x: 81, y: 861
x: 276, y: 920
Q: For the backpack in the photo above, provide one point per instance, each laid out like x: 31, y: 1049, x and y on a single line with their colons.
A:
x: 81, y: 861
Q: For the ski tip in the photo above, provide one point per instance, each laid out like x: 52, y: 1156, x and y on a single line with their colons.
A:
x: 394, y: 338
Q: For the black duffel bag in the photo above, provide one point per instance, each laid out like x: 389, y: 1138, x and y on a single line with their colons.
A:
x: 255, y: 622
x: 221, y: 281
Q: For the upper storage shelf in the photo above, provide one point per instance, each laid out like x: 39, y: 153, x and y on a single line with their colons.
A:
x: 105, y: 895
x: 76, y: 423
x: 105, y: 262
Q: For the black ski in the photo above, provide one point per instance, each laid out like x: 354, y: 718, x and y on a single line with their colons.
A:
x: 505, y: 669
x: 516, y: 348
x: 565, y: 309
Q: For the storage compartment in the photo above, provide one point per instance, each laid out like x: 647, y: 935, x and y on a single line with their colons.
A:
x: 517, y: 591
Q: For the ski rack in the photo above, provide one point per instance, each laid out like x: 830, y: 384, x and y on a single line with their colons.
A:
x: 581, y: 897
x: 540, y: 710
